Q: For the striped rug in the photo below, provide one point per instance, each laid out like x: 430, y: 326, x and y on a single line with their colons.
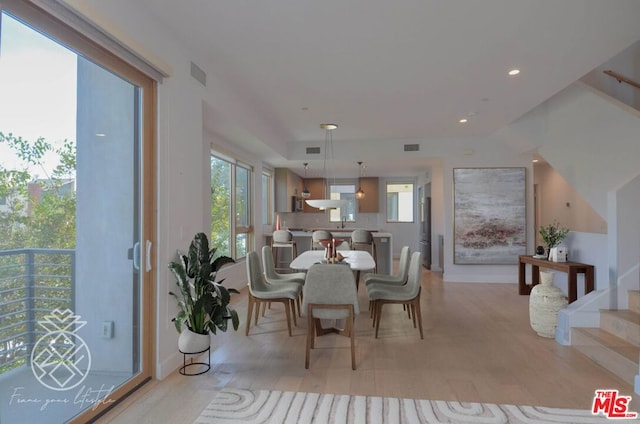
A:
x: 264, y: 406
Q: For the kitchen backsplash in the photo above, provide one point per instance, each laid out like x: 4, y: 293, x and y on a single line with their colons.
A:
x: 321, y: 220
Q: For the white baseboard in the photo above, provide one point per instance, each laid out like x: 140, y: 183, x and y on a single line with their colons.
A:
x: 169, y: 365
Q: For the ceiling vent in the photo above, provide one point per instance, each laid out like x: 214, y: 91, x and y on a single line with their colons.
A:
x: 411, y: 147
x: 313, y: 150
x: 198, y: 74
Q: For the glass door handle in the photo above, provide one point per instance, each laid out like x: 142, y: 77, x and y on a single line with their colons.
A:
x: 136, y: 256
x: 147, y: 265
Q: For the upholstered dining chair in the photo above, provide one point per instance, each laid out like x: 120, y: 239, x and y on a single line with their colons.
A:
x: 398, y: 279
x: 318, y: 235
x: 330, y: 294
x: 260, y: 292
x: 283, y: 239
x: 273, y: 277
x: 363, y: 240
x: 408, y: 294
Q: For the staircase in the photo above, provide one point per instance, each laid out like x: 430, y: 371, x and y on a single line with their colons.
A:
x: 616, y: 344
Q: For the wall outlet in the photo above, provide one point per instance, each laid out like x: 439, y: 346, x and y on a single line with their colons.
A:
x: 107, y: 329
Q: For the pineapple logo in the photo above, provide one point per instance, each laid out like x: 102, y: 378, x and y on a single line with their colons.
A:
x: 60, y: 359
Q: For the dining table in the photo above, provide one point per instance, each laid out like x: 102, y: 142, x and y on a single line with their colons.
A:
x: 358, y: 260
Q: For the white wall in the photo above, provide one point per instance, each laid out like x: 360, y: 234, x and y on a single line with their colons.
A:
x: 562, y: 203
x: 590, y: 139
x: 627, y: 64
x: 105, y: 217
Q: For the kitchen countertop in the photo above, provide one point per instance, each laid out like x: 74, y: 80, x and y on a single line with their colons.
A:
x: 341, y: 233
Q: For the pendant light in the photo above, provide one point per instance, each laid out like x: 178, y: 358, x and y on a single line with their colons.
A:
x: 327, y: 202
x: 305, y: 191
x: 360, y: 192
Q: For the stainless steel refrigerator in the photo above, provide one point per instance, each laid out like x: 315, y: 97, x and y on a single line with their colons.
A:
x: 424, y: 196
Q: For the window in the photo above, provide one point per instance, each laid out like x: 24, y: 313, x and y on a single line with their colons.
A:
x: 230, y: 207
x: 400, y: 202
x: 267, y: 210
x: 343, y: 192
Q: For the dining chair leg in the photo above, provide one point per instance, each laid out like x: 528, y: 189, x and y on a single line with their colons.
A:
x: 378, y: 315
x: 418, y: 312
x: 249, y: 311
x: 310, y: 331
x: 257, y: 311
x: 413, y: 313
x: 288, y: 313
x: 351, y: 327
x: 292, y: 305
x: 374, y: 312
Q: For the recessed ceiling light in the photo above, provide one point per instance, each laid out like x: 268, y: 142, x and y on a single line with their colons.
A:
x: 463, y: 121
x: 101, y: 135
x: 535, y: 161
x: 514, y: 72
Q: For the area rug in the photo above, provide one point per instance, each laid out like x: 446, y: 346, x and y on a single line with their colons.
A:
x: 265, y: 406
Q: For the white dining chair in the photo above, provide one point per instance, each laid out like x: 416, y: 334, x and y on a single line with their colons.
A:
x: 329, y: 293
x: 260, y: 292
x: 408, y: 294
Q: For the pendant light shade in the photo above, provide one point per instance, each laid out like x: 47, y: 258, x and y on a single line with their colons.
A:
x: 327, y: 202
x: 360, y: 192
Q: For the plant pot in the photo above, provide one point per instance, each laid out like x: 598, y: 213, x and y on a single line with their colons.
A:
x: 545, y: 303
x: 190, y: 342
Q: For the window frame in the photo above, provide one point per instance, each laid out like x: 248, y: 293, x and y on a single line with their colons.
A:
x: 44, y: 17
x: 267, y: 196
x: 413, y: 201
x: 234, y: 229
x: 332, y: 212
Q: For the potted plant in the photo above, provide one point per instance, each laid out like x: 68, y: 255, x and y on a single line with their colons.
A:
x: 203, y: 301
x: 552, y: 235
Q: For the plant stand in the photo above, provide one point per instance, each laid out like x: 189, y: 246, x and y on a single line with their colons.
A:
x: 185, y: 366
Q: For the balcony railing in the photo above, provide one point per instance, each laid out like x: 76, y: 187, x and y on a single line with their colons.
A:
x: 33, y: 282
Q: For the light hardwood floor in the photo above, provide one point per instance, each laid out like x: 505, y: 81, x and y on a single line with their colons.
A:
x: 478, y: 347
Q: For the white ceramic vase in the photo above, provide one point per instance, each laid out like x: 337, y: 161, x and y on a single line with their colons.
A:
x: 545, y: 303
x: 190, y: 342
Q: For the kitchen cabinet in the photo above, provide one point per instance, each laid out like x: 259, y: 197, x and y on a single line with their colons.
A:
x: 288, y: 185
x: 316, y: 188
x: 370, y: 203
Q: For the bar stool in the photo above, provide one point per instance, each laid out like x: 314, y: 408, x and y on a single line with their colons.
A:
x: 283, y: 239
x: 363, y: 240
x: 318, y: 235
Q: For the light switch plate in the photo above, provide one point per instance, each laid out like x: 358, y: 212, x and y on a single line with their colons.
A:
x: 107, y: 329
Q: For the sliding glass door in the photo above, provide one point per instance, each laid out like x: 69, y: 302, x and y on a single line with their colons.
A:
x: 76, y: 219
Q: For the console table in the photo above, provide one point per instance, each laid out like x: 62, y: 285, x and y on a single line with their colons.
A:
x: 571, y: 268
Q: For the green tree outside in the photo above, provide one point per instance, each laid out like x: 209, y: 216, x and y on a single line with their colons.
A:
x: 220, y: 205
x: 35, y: 213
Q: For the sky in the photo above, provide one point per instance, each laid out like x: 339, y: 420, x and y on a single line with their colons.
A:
x: 37, y: 89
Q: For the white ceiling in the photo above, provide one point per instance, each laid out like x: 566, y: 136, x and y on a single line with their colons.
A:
x: 394, y: 71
